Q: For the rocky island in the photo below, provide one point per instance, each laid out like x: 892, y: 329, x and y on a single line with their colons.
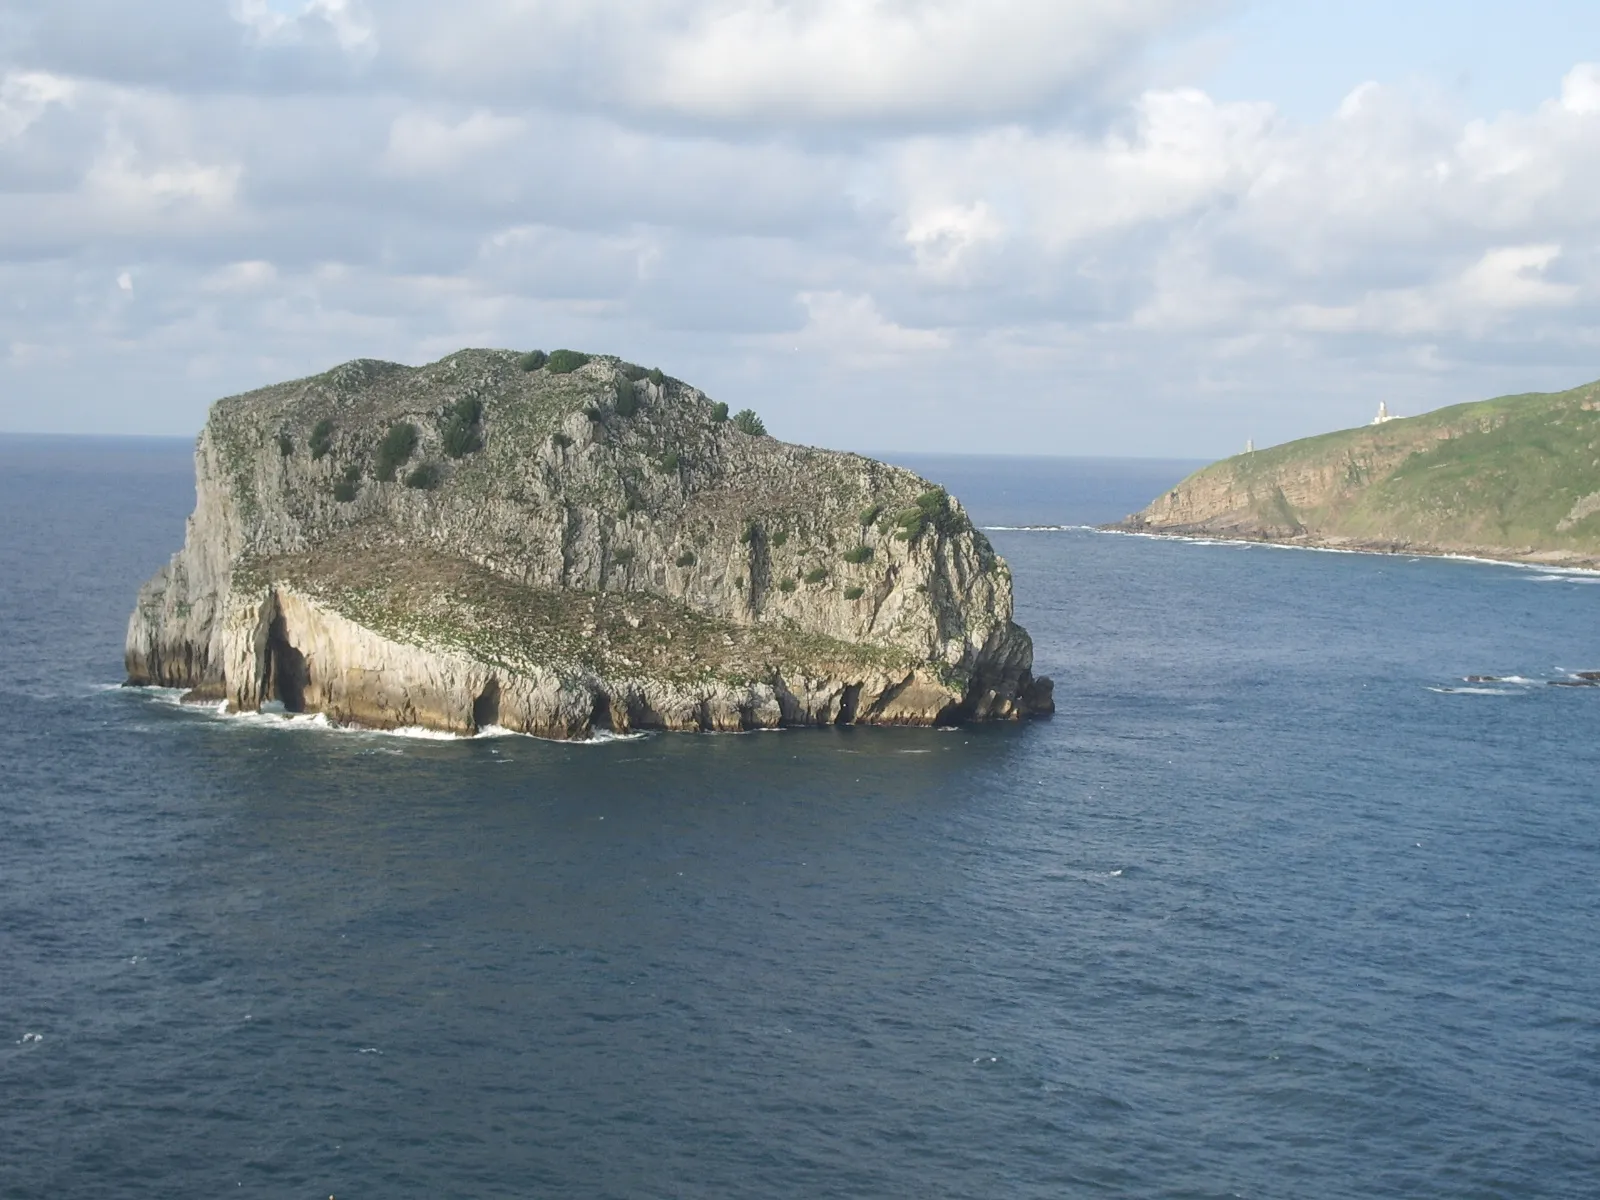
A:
x: 1516, y: 478
x: 564, y: 544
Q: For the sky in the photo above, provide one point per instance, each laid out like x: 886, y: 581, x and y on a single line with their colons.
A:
x: 1079, y: 227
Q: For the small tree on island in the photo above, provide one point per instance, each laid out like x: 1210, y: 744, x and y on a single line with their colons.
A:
x: 746, y: 421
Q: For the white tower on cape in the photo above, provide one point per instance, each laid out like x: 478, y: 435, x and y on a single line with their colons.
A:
x: 1384, y: 415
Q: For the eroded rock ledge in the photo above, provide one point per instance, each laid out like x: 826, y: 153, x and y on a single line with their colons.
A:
x: 559, y: 553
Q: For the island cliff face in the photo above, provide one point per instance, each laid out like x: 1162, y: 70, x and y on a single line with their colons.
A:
x: 565, y: 547
x: 1517, y: 478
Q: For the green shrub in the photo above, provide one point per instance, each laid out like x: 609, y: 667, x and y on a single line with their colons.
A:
x: 910, y: 522
x: 634, y: 373
x: 816, y: 574
x: 397, y: 446
x: 858, y: 554
x: 781, y: 538
x: 322, y: 438
x: 560, y: 439
x: 424, y: 478
x: 623, y: 555
x: 871, y: 514
x: 627, y: 399
x: 352, y: 474
x: 533, y: 360
x: 670, y: 462
x: 344, y: 491
x: 461, y: 432
x: 656, y: 377
x: 719, y: 412
x: 853, y: 593
x: 738, y: 582
x: 686, y: 559
x: 285, y: 445
x: 746, y: 421
x: 564, y: 362
x: 787, y: 586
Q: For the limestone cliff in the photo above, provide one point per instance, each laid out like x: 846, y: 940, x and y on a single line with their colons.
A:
x: 564, y: 546
x: 1516, y: 478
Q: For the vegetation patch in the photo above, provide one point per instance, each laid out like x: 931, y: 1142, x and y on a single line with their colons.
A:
x: 816, y: 574
x: 398, y: 445
x: 322, y: 438
x: 627, y: 402
x: 285, y: 445
x: 656, y: 377
x: 424, y: 478
x: 853, y: 593
x: 565, y: 362
x: 746, y: 421
x: 719, y: 412
x: 781, y: 538
x: 623, y: 555
x: 670, y: 462
x: 344, y: 491
x: 788, y: 585
x: 870, y: 514
x: 561, y: 440
x: 749, y: 533
x: 533, y: 360
x: 858, y: 554
x: 686, y: 559
x: 462, y: 431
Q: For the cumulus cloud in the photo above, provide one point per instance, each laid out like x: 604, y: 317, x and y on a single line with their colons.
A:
x: 845, y: 212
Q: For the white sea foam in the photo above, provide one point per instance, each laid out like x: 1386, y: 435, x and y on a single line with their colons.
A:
x: 1472, y: 691
x: 273, y: 717
x: 1571, y: 574
x: 1035, y: 528
x: 29, y: 1038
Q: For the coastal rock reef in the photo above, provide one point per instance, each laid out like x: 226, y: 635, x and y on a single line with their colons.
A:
x: 1515, y: 478
x: 565, y: 544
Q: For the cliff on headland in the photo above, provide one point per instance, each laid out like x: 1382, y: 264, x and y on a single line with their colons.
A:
x: 1517, y: 478
x: 564, y: 545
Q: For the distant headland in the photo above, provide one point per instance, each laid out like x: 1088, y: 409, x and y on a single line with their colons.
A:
x: 1516, y: 478
x: 566, y: 543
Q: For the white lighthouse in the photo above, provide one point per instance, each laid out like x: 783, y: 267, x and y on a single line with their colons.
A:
x: 1384, y: 415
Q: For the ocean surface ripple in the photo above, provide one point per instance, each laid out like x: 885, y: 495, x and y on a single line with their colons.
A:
x: 1278, y: 905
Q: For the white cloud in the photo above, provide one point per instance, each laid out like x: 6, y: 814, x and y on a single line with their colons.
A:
x: 882, y: 60
x: 120, y: 178
x: 422, y: 145
x: 852, y: 331
x: 253, y: 275
x: 348, y: 23
x: 24, y: 97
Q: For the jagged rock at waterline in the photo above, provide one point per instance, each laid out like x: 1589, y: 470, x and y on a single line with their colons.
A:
x: 558, y: 547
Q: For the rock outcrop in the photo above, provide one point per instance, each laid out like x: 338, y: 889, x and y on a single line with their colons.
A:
x: 1517, y: 478
x: 562, y: 548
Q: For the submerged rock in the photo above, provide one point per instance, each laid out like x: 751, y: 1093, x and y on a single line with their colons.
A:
x: 476, y: 543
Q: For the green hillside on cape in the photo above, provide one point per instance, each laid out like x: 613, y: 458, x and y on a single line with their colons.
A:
x: 1516, y: 477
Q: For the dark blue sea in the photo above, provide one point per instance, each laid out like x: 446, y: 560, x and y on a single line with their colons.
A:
x: 1277, y: 905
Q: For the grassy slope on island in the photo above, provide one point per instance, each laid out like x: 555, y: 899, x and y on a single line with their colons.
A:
x: 1515, y: 477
